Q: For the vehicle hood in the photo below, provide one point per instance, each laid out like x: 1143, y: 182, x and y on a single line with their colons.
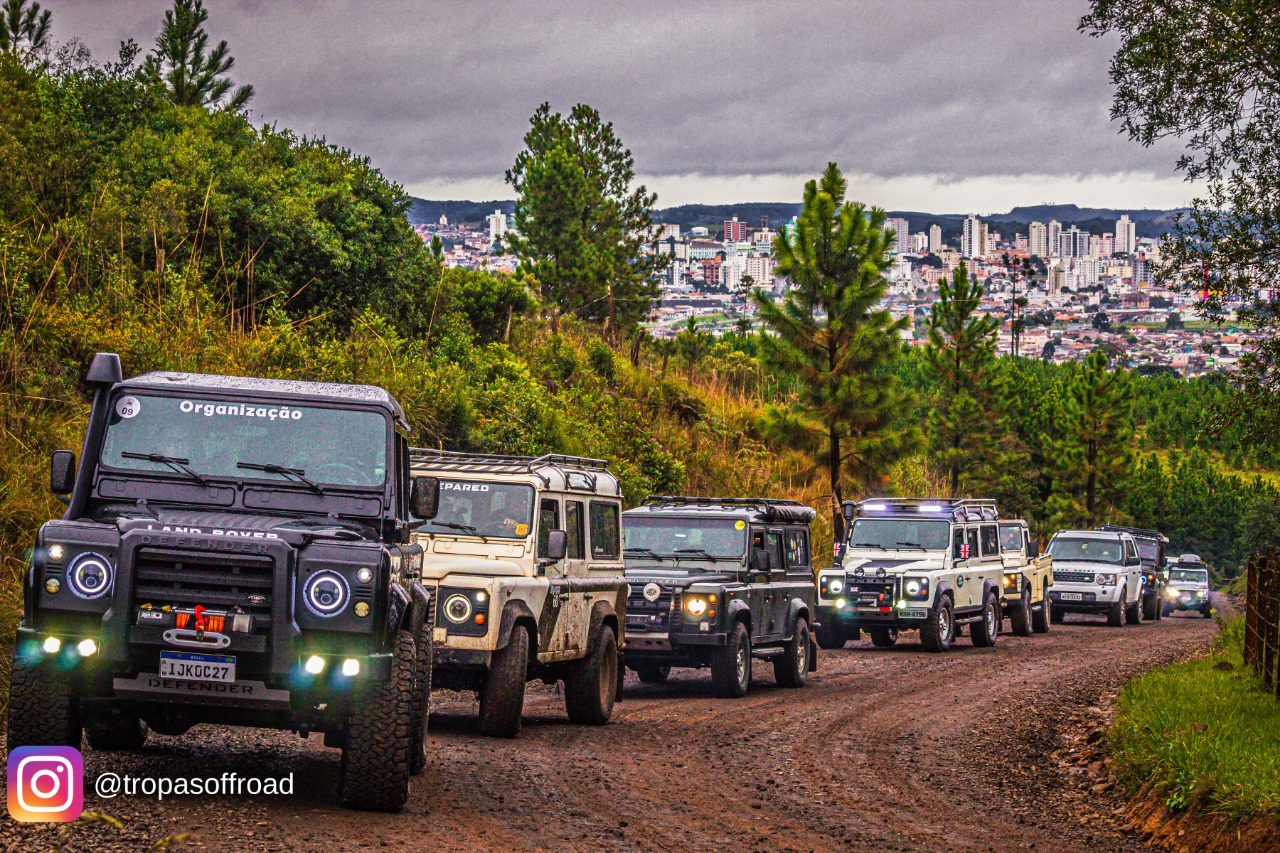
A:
x: 1081, y: 566
x: 439, y: 566
x: 892, y: 565
x: 1189, y: 586
x: 234, y: 525
x: 674, y: 578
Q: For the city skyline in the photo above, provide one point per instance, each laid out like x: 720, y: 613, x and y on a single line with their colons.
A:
x: 929, y: 106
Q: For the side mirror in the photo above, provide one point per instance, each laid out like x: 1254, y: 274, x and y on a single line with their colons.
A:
x: 1033, y: 550
x: 762, y: 561
x: 424, y: 497
x: 62, y: 472
x: 849, y: 508
x: 557, y: 545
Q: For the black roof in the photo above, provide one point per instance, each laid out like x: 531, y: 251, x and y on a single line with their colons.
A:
x: 1136, y: 532
x: 764, y: 510
x: 286, y: 388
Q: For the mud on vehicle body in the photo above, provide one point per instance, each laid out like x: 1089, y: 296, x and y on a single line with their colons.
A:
x: 1027, y: 577
x: 718, y: 583
x: 1188, y: 587
x: 524, y: 561
x: 1151, y: 545
x: 234, y: 551
x: 911, y: 563
x: 1096, y: 571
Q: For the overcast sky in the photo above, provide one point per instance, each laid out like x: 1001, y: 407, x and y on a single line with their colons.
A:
x: 927, y: 105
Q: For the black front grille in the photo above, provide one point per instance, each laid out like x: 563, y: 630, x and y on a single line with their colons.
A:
x: 644, y: 616
x: 164, y: 577
x: 870, y: 593
x: 1073, y: 577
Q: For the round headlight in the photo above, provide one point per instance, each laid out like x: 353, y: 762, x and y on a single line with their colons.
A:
x: 457, y: 608
x: 326, y: 593
x: 89, y: 576
x: 836, y: 586
x: 696, y: 606
x: 364, y: 575
x: 913, y: 587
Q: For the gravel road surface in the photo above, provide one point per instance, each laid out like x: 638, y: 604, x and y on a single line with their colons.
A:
x: 884, y: 750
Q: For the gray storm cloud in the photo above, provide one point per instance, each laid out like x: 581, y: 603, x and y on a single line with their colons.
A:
x: 440, y: 92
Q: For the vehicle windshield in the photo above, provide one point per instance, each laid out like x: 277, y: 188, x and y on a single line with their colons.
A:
x: 1188, y: 576
x: 895, y: 534
x: 1087, y: 550
x: 1149, y: 551
x: 202, y: 437
x: 489, y: 510
x: 691, y: 537
x: 1010, y: 537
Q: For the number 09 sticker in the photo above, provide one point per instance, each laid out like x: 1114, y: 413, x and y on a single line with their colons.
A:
x: 128, y: 407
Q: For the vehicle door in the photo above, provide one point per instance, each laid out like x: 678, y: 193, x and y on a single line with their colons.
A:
x: 799, y: 576
x: 551, y: 630
x: 992, y: 569
x: 779, y: 593
x: 571, y: 629
x: 969, y: 573
x: 603, y: 556
x: 760, y: 583
x: 1133, y: 570
x: 959, y: 561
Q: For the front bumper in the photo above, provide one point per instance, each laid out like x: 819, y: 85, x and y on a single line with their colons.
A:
x: 1084, y: 598
x: 912, y: 616
x: 1191, y: 602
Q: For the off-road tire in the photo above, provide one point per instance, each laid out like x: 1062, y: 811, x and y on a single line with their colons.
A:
x: 502, y: 699
x: 1041, y: 619
x: 883, y: 638
x: 731, y: 664
x: 1207, y: 612
x: 1115, y: 616
x: 421, y: 701
x: 653, y: 673
x: 1020, y: 615
x: 1167, y: 610
x: 831, y: 635
x: 792, y: 667
x: 591, y: 684
x: 129, y: 732
x: 375, y: 757
x: 1151, y: 607
x: 985, y: 632
x: 1133, y: 613
x: 938, y: 633
x: 43, y: 708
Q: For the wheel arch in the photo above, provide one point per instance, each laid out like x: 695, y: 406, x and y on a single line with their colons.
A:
x: 515, y: 613
x: 739, y: 611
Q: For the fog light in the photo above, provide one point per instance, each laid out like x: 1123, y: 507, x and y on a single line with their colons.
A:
x: 52, y: 645
x: 902, y: 605
x: 351, y: 667
x: 840, y: 602
x: 481, y: 597
x: 362, y: 609
x: 52, y: 586
x: 364, y: 575
x: 86, y: 648
x: 56, y: 552
x: 314, y: 664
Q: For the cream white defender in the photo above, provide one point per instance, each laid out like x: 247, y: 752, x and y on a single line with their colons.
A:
x: 1096, y: 571
x: 523, y: 563
x: 911, y: 563
x: 1027, y: 578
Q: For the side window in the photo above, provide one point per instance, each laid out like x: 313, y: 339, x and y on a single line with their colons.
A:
x: 971, y: 538
x: 957, y: 543
x: 1130, y: 553
x: 990, y: 540
x: 548, y: 520
x: 797, y: 548
x: 574, y: 527
x: 773, y: 543
x: 604, y: 531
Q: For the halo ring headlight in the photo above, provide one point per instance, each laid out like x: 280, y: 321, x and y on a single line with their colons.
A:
x: 90, y: 575
x: 836, y: 586
x: 457, y: 608
x: 326, y: 594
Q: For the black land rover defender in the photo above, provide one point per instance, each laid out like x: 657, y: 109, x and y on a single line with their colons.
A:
x: 716, y: 582
x: 1151, y: 545
x: 234, y: 551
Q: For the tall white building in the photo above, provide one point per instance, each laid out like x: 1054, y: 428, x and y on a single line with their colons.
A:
x: 760, y: 268
x: 919, y: 242
x: 902, y: 235
x: 1038, y: 239
x: 1073, y: 243
x: 1126, y: 235
x: 935, y: 238
x: 1055, y: 231
x: 497, y: 226
x: 972, y: 237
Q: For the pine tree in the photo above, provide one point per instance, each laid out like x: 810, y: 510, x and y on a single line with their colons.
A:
x: 24, y: 29
x: 192, y: 76
x: 962, y: 422
x: 830, y: 333
x: 1092, y: 445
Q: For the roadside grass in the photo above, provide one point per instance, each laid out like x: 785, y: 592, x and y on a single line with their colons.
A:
x: 1204, y: 734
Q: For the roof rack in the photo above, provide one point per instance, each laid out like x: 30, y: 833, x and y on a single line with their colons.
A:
x: 782, y: 509
x: 489, y: 463
x: 1135, y: 531
x: 960, y: 509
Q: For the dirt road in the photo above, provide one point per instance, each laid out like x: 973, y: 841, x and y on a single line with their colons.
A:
x: 883, y: 750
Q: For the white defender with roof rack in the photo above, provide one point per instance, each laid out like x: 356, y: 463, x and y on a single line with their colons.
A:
x: 912, y: 563
x: 523, y: 560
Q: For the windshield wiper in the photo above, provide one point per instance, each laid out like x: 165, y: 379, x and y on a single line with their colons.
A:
x: 452, y: 525
x: 865, y: 545
x: 912, y: 545
x: 649, y: 551
x: 702, y: 552
x: 271, y: 468
x: 177, y: 463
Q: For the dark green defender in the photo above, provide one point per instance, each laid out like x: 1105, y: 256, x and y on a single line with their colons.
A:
x: 716, y: 582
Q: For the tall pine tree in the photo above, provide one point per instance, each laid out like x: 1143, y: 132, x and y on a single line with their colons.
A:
x: 191, y: 72
x: 830, y: 333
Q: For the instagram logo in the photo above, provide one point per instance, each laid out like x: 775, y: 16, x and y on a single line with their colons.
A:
x: 46, y: 784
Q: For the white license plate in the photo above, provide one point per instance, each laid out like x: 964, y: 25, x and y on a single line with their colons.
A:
x: 195, y: 667
x: 913, y: 613
x: 1071, y: 596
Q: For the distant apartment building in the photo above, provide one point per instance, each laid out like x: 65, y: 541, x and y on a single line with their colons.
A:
x: 763, y: 237
x: 935, y: 239
x: 760, y: 268
x: 973, y: 237
x: 919, y: 242
x: 1020, y: 243
x: 710, y: 271
x: 902, y: 235
x: 1057, y: 279
x: 1142, y: 271
x: 702, y: 250
x: 1095, y: 246
x: 1038, y: 239
x: 1107, y: 246
x: 669, y: 231
x: 1126, y: 235
x: 1053, y: 232
x: 734, y: 231
x: 1073, y: 243
x: 497, y: 226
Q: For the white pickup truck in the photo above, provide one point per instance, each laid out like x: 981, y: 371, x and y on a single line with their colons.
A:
x: 1096, y: 571
x: 1027, y: 577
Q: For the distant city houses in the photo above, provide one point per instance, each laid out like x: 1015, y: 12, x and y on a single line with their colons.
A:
x: 1066, y: 288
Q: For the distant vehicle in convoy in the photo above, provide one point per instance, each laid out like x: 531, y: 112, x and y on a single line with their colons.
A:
x: 1188, y: 587
x: 1151, y: 545
x: 234, y: 551
x: 1096, y: 571
x: 523, y: 564
x: 911, y: 563
x: 1027, y: 577
x: 718, y: 582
